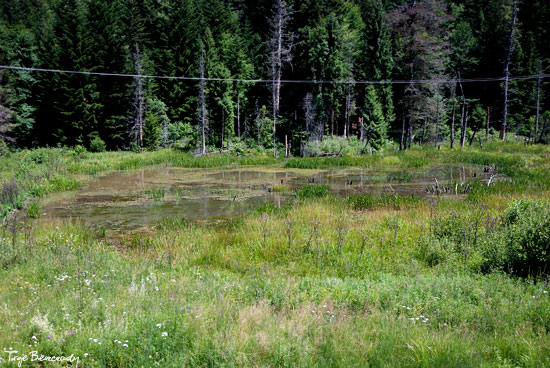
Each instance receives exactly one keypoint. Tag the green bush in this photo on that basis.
(523, 246)
(79, 150)
(333, 145)
(97, 145)
(433, 250)
(33, 209)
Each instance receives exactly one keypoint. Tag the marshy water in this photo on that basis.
(131, 200)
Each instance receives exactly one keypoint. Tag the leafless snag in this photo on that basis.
(509, 51)
(202, 102)
(281, 44)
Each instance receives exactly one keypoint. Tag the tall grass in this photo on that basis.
(366, 281)
(194, 295)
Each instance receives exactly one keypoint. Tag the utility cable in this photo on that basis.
(297, 81)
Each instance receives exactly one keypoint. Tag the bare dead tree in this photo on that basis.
(139, 98)
(538, 102)
(401, 147)
(223, 126)
(464, 127)
(350, 106)
(463, 114)
(437, 116)
(423, 132)
(281, 43)
(410, 136)
(509, 51)
(259, 122)
(202, 102)
(6, 115)
(453, 94)
(313, 128)
(238, 114)
(165, 133)
(425, 48)
(487, 124)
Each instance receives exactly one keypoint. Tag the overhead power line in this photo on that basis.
(299, 81)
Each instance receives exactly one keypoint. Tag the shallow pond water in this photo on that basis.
(130, 200)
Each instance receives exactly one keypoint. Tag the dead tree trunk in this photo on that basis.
(487, 125)
(238, 115)
(223, 126)
(464, 128)
(507, 73)
(453, 123)
(472, 138)
(538, 103)
(164, 133)
(362, 131)
(437, 124)
(410, 136)
(331, 122)
(202, 98)
(463, 115)
(401, 147)
(281, 44)
(349, 109)
(423, 132)
(139, 97)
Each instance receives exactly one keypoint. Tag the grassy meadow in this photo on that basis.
(325, 281)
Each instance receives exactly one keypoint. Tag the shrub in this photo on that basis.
(333, 146)
(97, 145)
(237, 147)
(434, 251)
(33, 209)
(525, 240)
(79, 150)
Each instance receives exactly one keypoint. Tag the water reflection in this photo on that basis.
(129, 200)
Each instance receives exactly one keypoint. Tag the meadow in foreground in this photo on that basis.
(324, 281)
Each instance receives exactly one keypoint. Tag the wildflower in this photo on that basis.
(24, 322)
(85, 355)
(164, 334)
(48, 337)
(125, 345)
(159, 325)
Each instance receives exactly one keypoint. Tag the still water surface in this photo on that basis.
(130, 200)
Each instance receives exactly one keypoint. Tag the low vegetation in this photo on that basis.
(371, 280)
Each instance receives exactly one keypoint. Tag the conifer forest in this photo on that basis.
(210, 73)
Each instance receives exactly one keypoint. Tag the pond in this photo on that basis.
(136, 199)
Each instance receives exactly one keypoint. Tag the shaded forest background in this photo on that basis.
(310, 40)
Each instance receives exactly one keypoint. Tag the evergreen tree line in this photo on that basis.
(335, 41)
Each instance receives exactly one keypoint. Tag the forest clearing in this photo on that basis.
(325, 278)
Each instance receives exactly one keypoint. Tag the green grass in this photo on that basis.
(371, 280)
(370, 201)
